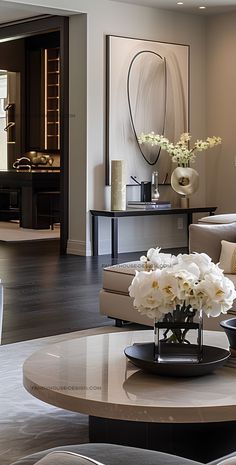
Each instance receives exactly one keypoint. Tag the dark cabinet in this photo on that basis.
(10, 205)
(38, 197)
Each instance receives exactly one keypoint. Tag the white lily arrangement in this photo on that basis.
(184, 284)
(180, 152)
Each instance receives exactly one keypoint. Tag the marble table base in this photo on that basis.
(202, 442)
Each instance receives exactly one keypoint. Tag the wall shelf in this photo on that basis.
(52, 98)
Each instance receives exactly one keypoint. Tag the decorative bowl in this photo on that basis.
(229, 327)
(141, 355)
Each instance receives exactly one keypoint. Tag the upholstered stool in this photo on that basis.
(115, 301)
(225, 218)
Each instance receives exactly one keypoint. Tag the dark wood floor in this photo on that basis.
(47, 294)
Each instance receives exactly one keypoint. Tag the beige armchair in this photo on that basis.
(207, 238)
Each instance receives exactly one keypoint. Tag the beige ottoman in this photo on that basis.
(116, 303)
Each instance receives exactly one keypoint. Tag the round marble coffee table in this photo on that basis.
(193, 417)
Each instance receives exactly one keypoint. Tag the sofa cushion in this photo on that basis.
(66, 458)
(228, 257)
(111, 454)
(219, 219)
(226, 460)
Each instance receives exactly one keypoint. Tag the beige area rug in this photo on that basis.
(11, 232)
(28, 425)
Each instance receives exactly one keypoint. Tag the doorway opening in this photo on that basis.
(34, 105)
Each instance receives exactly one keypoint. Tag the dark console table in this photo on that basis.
(115, 215)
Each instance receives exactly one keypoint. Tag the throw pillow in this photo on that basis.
(66, 458)
(228, 257)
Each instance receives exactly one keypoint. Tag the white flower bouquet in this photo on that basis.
(175, 288)
(180, 152)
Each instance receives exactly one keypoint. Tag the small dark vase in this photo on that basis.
(145, 191)
(229, 327)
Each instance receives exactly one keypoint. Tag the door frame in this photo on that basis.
(43, 25)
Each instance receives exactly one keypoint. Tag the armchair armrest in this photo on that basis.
(207, 238)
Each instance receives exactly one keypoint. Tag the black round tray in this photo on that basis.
(141, 355)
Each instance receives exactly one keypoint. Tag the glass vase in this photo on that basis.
(154, 188)
(179, 336)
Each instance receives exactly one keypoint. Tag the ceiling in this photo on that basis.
(189, 6)
(12, 11)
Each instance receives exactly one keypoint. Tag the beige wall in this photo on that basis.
(221, 110)
(78, 133)
(153, 24)
(87, 157)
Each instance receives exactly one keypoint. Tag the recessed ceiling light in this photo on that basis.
(202, 7)
(180, 3)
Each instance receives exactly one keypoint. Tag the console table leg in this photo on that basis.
(189, 221)
(114, 237)
(95, 235)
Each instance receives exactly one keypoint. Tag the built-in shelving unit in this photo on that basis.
(52, 98)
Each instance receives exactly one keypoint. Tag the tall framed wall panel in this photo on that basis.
(147, 90)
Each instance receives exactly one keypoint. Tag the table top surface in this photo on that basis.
(151, 211)
(92, 375)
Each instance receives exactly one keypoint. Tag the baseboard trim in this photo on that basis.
(104, 246)
(78, 248)
(81, 248)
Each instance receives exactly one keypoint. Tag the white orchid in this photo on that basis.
(158, 259)
(217, 294)
(188, 281)
(155, 259)
(201, 262)
(180, 152)
(146, 293)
